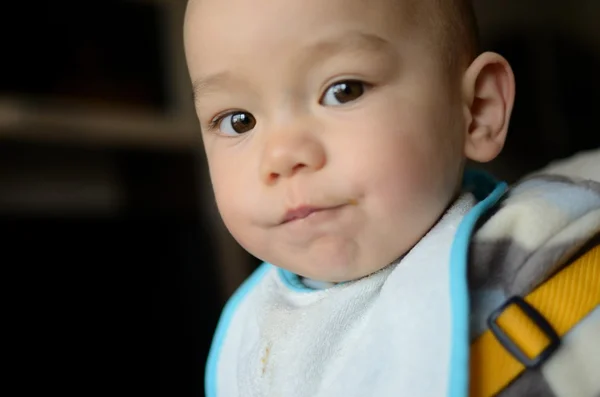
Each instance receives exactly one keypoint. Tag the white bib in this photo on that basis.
(402, 331)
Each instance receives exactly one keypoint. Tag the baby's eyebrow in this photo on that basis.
(213, 82)
(349, 41)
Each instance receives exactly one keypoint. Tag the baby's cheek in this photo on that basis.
(239, 226)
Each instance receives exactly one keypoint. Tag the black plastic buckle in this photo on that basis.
(537, 318)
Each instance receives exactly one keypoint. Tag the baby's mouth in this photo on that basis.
(304, 211)
(301, 213)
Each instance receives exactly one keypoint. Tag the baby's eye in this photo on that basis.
(236, 123)
(343, 92)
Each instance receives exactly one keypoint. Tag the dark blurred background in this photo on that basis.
(115, 262)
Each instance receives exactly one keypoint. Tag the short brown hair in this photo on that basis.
(455, 28)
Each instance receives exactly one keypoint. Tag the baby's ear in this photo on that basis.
(488, 96)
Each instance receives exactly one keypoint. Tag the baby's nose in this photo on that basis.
(287, 155)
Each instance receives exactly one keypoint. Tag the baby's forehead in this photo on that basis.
(242, 16)
(426, 14)
(443, 26)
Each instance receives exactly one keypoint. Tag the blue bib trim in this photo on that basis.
(292, 281)
(488, 192)
(210, 376)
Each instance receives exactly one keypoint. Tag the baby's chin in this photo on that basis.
(333, 260)
(334, 270)
(342, 276)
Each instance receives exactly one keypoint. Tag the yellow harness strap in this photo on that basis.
(524, 332)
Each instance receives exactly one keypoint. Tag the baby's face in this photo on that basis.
(333, 136)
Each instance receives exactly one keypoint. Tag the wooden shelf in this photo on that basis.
(24, 117)
(23, 121)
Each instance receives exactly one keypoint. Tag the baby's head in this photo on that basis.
(336, 131)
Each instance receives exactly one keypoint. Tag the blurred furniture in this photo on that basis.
(109, 223)
(554, 49)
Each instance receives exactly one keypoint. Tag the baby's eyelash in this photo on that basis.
(215, 121)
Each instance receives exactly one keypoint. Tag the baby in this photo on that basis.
(336, 133)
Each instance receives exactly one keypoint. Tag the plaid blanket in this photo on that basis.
(534, 231)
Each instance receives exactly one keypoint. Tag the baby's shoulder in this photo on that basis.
(537, 246)
(540, 223)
